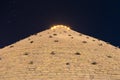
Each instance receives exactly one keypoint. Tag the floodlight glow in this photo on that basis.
(60, 26)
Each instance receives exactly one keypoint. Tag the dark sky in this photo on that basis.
(97, 18)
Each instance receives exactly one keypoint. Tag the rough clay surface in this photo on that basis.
(60, 54)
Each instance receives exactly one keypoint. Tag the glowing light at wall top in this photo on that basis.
(60, 27)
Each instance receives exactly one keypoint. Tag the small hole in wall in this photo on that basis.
(72, 37)
(55, 34)
(87, 37)
(50, 37)
(0, 58)
(26, 53)
(11, 46)
(80, 34)
(56, 41)
(100, 44)
(109, 56)
(65, 31)
(31, 41)
(84, 41)
(107, 43)
(67, 63)
(77, 53)
(94, 63)
(31, 62)
(53, 53)
(117, 47)
(69, 35)
(28, 39)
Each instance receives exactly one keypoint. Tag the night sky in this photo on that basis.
(22, 18)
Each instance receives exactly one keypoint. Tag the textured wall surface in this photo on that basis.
(60, 54)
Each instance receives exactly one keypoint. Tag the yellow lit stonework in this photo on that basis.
(60, 26)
